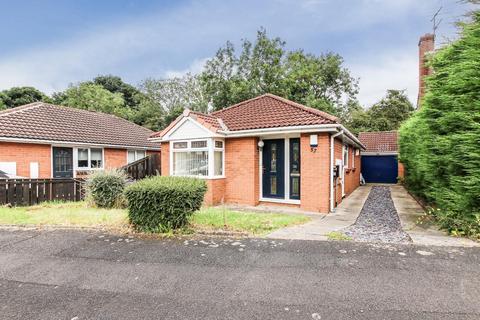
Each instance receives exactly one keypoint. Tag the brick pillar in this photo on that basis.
(165, 156)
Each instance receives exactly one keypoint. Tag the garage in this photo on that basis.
(380, 159)
(380, 169)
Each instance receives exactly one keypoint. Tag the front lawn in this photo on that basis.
(252, 222)
(78, 214)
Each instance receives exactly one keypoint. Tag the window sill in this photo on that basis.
(202, 177)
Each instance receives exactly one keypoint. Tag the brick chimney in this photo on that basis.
(425, 45)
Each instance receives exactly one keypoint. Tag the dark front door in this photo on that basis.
(273, 161)
(62, 162)
(295, 168)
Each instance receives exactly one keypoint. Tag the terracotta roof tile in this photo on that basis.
(270, 111)
(42, 121)
(382, 141)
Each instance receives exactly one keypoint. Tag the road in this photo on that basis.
(88, 275)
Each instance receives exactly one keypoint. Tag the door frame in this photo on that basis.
(52, 154)
(286, 198)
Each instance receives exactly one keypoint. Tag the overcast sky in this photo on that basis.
(50, 44)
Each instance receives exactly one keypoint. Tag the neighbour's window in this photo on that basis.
(83, 158)
(90, 158)
(345, 156)
(192, 158)
(134, 155)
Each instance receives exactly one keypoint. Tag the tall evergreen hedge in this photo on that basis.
(440, 144)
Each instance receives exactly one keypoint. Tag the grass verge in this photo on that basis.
(78, 214)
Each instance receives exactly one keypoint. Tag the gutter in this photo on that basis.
(332, 150)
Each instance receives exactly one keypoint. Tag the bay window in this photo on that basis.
(89, 158)
(200, 158)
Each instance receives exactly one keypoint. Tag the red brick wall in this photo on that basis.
(165, 156)
(352, 177)
(215, 192)
(241, 171)
(315, 174)
(24, 153)
(114, 158)
(401, 170)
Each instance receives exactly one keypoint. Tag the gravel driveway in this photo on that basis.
(378, 221)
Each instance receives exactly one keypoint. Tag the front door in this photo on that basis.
(62, 162)
(273, 177)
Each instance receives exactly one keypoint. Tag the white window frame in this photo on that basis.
(353, 158)
(210, 148)
(136, 154)
(345, 153)
(89, 167)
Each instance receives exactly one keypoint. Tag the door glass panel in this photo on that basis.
(273, 185)
(295, 168)
(273, 161)
(295, 187)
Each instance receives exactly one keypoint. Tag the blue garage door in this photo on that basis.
(380, 169)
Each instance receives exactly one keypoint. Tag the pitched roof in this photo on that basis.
(381, 141)
(208, 121)
(271, 111)
(42, 121)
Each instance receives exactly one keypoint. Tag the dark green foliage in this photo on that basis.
(386, 115)
(440, 145)
(105, 188)
(18, 96)
(115, 84)
(266, 67)
(161, 204)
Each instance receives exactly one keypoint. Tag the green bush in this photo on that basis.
(105, 188)
(161, 204)
(440, 144)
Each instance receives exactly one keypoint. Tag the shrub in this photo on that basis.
(439, 146)
(160, 204)
(105, 188)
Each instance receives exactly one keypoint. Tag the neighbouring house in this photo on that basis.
(380, 159)
(41, 140)
(264, 150)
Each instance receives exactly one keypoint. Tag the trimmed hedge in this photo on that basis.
(161, 204)
(440, 144)
(105, 188)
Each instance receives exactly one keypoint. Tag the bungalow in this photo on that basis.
(41, 140)
(264, 150)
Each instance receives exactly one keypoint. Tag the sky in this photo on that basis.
(51, 44)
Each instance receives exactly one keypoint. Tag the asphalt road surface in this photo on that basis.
(86, 275)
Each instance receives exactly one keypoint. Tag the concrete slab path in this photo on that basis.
(409, 211)
(322, 225)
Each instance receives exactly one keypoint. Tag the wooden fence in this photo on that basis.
(148, 166)
(24, 192)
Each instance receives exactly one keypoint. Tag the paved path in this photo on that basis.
(347, 212)
(409, 211)
(319, 228)
(81, 275)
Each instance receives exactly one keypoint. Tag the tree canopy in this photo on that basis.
(439, 145)
(18, 96)
(265, 66)
(385, 115)
(93, 97)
